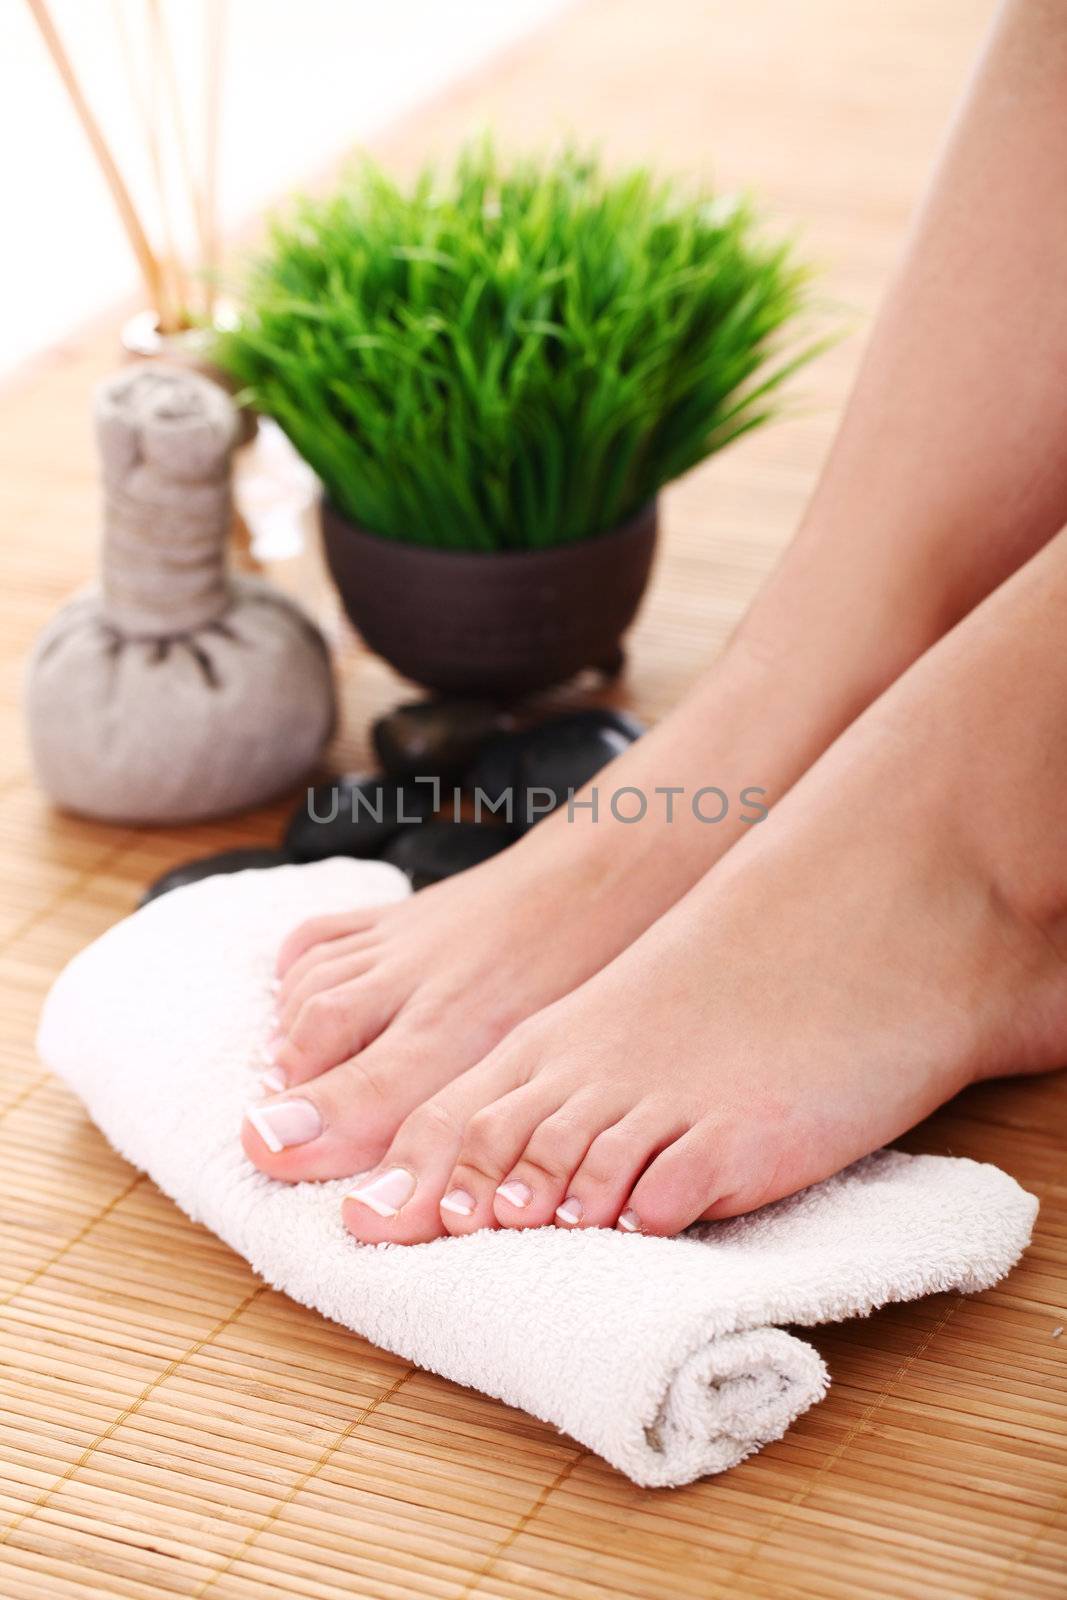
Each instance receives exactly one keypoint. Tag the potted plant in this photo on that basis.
(493, 373)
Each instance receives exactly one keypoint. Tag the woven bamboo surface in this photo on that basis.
(170, 1426)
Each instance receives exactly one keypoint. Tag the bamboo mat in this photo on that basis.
(169, 1426)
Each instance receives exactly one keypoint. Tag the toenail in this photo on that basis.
(386, 1193)
(459, 1201)
(630, 1222)
(272, 1046)
(273, 1081)
(515, 1193)
(571, 1210)
(285, 1122)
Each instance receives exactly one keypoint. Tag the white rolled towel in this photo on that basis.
(662, 1355)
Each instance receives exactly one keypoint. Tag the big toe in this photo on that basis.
(411, 1197)
(337, 1124)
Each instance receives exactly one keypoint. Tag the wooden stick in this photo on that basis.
(144, 105)
(146, 260)
(216, 34)
(164, 60)
(158, 86)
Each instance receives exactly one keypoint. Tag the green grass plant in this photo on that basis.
(515, 354)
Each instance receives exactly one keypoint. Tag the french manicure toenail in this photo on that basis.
(273, 1080)
(285, 1122)
(630, 1222)
(515, 1193)
(571, 1210)
(386, 1193)
(459, 1201)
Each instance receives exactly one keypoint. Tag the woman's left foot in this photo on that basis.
(783, 1020)
(889, 936)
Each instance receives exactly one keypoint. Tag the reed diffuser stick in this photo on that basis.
(131, 222)
(163, 60)
(146, 104)
(215, 38)
(157, 91)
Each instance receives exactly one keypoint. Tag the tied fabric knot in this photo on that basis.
(166, 438)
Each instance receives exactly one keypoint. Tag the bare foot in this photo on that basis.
(380, 1009)
(890, 936)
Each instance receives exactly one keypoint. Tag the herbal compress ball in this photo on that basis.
(175, 691)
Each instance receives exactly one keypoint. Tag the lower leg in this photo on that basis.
(947, 474)
(897, 930)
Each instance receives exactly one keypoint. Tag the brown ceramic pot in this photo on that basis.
(492, 624)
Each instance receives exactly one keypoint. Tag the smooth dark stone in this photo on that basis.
(556, 756)
(562, 755)
(495, 769)
(354, 816)
(211, 866)
(435, 738)
(436, 850)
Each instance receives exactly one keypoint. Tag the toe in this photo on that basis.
(320, 930)
(332, 1025)
(317, 968)
(347, 1115)
(486, 1173)
(686, 1180)
(539, 1177)
(401, 1199)
(339, 1123)
(601, 1186)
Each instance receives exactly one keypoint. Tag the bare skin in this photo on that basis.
(899, 933)
(937, 489)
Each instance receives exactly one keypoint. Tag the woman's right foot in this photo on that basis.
(378, 1009)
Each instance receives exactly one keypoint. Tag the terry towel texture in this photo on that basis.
(663, 1355)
